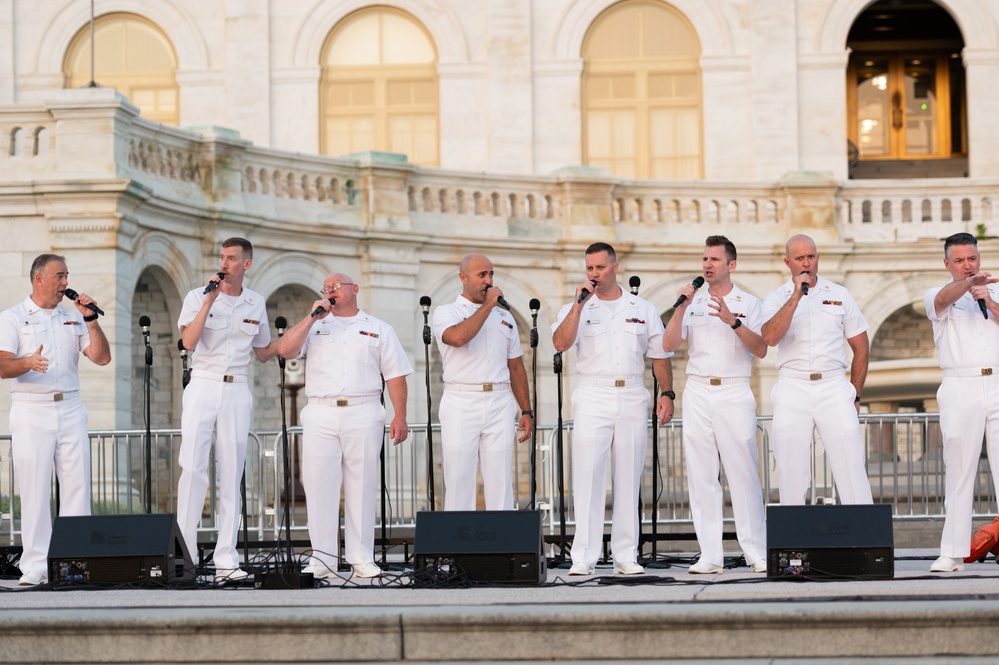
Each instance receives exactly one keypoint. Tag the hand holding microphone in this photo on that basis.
(321, 306)
(86, 302)
(500, 300)
(214, 284)
(585, 292)
(696, 284)
(804, 284)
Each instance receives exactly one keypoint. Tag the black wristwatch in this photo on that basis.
(738, 322)
(668, 393)
(92, 317)
(527, 412)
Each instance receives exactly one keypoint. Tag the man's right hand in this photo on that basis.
(213, 295)
(585, 286)
(37, 362)
(802, 278)
(493, 294)
(687, 293)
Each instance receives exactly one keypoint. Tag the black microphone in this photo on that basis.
(982, 306)
(501, 301)
(73, 295)
(185, 377)
(804, 285)
(144, 324)
(634, 283)
(319, 310)
(535, 305)
(214, 285)
(425, 305)
(281, 324)
(697, 283)
(584, 293)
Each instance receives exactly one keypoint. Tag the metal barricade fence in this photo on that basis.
(904, 453)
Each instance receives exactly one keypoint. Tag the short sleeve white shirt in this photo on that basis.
(964, 338)
(484, 358)
(822, 320)
(61, 332)
(235, 325)
(615, 336)
(347, 356)
(714, 348)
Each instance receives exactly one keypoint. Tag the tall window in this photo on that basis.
(379, 87)
(642, 93)
(132, 56)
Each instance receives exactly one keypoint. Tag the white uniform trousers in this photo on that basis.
(607, 422)
(478, 428)
(47, 435)
(800, 406)
(969, 410)
(720, 421)
(341, 446)
(225, 409)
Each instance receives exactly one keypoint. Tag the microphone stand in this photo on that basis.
(561, 557)
(427, 337)
(653, 555)
(534, 407)
(385, 492)
(147, 379)
(290, 552)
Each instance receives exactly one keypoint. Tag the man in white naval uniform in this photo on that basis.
(812, 391)
(40, 346)
(348, 352)
(719, 410)
(484, 383)
(221, 327)
(966, 333)
(612, 333)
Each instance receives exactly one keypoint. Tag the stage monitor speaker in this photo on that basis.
(503, 546)
(118, 549)
(830, 541)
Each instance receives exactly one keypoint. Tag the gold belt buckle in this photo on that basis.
(487, 387)
(715, 381)
(227, 378)
(986, 371)
(619, 383)
(341, 402)
(58, 397)
(815, 376)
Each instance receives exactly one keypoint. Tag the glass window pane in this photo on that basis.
(355, 42)
(873, 109)
(921, 127)
(404, 42)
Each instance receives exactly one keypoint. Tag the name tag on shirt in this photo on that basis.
(322, 331)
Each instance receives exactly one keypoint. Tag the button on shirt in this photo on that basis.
(61, 332)
(714, 348)
(964, 338)
(614, 336)
(484, 358)
(349, 355)
(235, 324)
(823, 318)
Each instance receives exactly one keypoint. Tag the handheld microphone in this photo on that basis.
(144, 324)
(697, 283)
(584, 293)
(214, 285)
(804, 285)
(535, 305)
(634, 283)
(319, 310)
(982, 306)
(73, 295)
(185, 377)
(501, 301)
(425, 306)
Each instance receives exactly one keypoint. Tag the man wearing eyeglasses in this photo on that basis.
(221, 323)
(348, 354)
(484, 382)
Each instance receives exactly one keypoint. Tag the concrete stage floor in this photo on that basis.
(667, 615)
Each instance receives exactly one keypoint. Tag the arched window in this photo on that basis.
(379, 87)
(642, 93)
(134, 57)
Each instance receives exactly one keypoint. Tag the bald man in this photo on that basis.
(807, 318)
(485, 384)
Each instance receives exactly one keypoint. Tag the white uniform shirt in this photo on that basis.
(822, 320)
(349, 355)
(614, 336)
(484, 358)
(235, 324)
(964, 338)
(714, 348)
(61, 332)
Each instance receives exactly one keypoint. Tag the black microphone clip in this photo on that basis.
(186, 375)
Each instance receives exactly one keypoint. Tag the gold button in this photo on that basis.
(487, 387)
(715, 381)
(815, 376)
